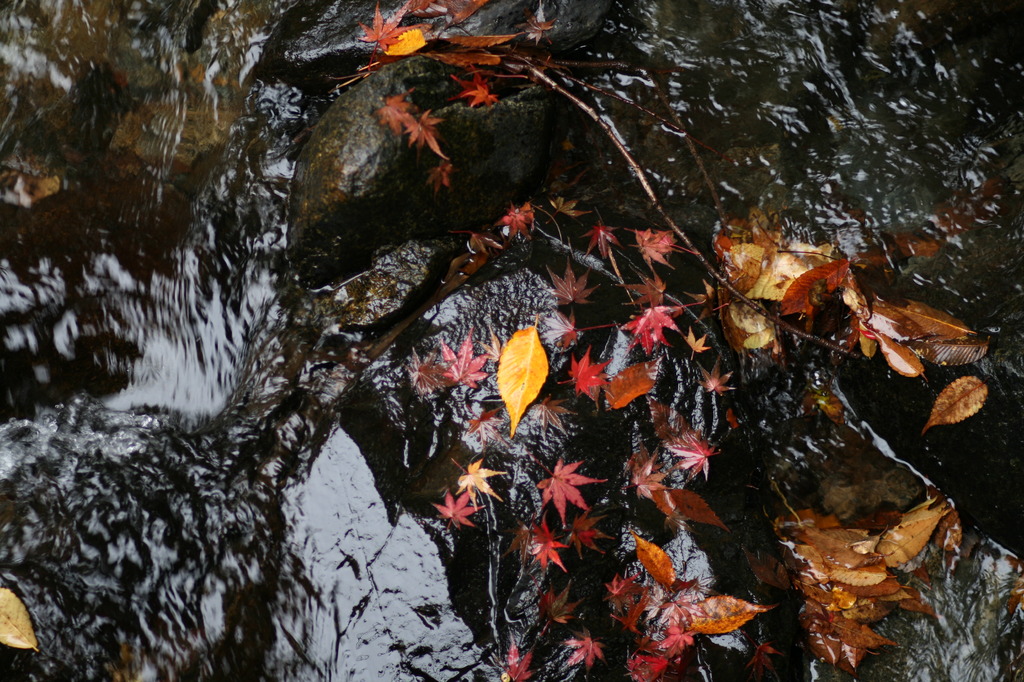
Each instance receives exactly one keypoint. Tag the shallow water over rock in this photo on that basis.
(209, 471)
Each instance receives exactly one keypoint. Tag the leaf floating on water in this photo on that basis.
(657, 563)
(958, 401)
(905, 541)
(522, 370)
(15, 623)
(901, 359)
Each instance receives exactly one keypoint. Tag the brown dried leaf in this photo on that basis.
(686, 503)
(915, 321)
(631, 383)
(480, 41)
(725, 614)
(958, 401)
(961, 351)
(901, 359)
(902, 543)
(465, 60)
(768, 570)
(15, 623)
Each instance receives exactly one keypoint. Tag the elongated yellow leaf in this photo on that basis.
(656, 561)
(15, 624)
(522, 370)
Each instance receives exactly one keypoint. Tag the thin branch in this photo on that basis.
(641, 175)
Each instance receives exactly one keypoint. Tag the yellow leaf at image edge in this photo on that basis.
(15, 623)
(522, 370)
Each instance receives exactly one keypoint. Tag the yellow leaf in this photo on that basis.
(475, 479)
(407, 43)
(15, 623)
(725, 614)
(654, 559)
(522, 370)
(958, 401)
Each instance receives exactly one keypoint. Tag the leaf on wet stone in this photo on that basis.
(648, 328)
(725, 614)
(456, 510)
(15, 623)
(901, 359)
(798, 296)
(475, 479)
(656, 561)
(463, 367)
(696, 345)
(570, 289)
(686, 503)
(631, 383)
(588, 376)
(522, 370)
(961, 399)
(561, 487)
(587, 649)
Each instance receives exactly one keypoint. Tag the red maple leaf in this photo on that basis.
(549, 413)
(644, 668)
(655, 246)
(396, 112)
(518, 219)
(760, 662)
(464, 368)
(561, 487)
(632, 616)
(456, 509)
(441, 175)
(676, 641)
(648, 328)
(651, 291)
(426, 375)
(517, 667)
(693, 451)
(535, 30)
(477, 91)
(587, 648)
(645, 473)
(423, 131)
(560, 330)
(486, 427)
(587, 376)
(621, 591)
(387, 33)
(601, 236)
(582, 533)
(570, 289)
(557, 608)
(714, 381)
(544, 546)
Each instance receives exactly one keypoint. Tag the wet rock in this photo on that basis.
(358, 186)
(973, 460)
(316, 43)
(397, 279)
(417, 447)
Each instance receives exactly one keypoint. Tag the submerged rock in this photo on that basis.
(359, 186)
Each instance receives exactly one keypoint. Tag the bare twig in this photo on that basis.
(540, 76)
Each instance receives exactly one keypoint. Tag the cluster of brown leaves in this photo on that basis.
(845, 576)
(808, 281)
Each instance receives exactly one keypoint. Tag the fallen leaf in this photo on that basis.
(15, 623)
(522, 370)
(475, 479)
(587, 649)
(480, 41)
(561, 487)
(657, 563)
(905, 541)
(463, 367)
(588, 376)
(958, 401)
(648, 328)
(406, 43)
(456, 510)
(679, 501)
(901, 359)
(631, 383)
(725, 614)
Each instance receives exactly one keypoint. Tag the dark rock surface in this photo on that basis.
(358, 186)
(317, 42)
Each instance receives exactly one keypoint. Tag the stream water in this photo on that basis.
(171, 510)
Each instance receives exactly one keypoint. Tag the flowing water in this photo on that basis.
(170, 509)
